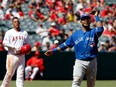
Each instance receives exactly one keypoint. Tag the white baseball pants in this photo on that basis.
(33, 71)
(84, 67)
(14, 62)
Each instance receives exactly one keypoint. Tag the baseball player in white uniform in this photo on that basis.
(14, 39)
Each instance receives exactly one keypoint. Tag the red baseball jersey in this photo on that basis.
(34, 61)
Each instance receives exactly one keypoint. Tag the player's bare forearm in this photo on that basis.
(50, 52)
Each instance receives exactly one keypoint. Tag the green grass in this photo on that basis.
(63, 83)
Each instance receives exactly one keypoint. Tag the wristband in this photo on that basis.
(63, 46)
(97, 18)
(55, 50)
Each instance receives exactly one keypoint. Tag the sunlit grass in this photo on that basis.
(63, 83)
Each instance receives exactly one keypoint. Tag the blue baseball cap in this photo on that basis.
(85, 16)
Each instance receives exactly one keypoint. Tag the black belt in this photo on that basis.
(88, 59)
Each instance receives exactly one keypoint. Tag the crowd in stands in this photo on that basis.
(59, 13)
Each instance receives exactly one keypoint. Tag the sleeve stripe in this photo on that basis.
(65, 45)
(96, 32)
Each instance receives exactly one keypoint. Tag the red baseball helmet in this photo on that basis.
(25, 49)
(37, 43)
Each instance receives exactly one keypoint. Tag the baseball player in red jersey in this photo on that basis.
(33, 66)
(14, 39)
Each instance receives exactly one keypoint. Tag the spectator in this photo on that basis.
(114, 22)
(4, 3)
(61, 16)
(9, 15)
(32, 3)
(102, 47)
(37, 46)
(1, 13)
(42, 32)
(53, 16)
(70, 5)
(1, 46)
(110, 16)
(105, 11)
(113, 40)
(56, 43)
(38, 16)
(46, 46)
(20, 12)
(2, 33)
(70, 16)
(34, 65)
(65, 37)
(112, 49)
(70, 32)
(114, 10)
(47, 42)
(79, 7)
(107, 44)
(15, 12)
(31, 11)
(53, 30)
(76, 17)
(1, 36)
(62, 33)
(50, 2)
(113, 44)
(87, 10)
(34, 16)
(110, 30)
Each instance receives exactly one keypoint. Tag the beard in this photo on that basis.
(86, 27)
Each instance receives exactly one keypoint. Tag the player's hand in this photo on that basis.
(17, 50)
(48, 53)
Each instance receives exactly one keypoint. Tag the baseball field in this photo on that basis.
(63, 83)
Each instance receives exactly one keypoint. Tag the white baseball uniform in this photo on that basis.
(14, 61)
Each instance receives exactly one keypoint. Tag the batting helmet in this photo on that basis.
(37, 43)
(25, 49)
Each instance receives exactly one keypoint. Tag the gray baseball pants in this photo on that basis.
(81, 68)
